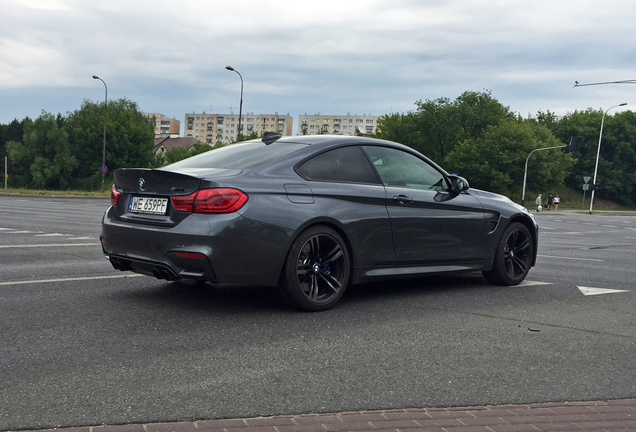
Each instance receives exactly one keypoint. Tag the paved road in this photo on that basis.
(82, 345)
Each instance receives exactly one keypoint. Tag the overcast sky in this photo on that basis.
(329, 56)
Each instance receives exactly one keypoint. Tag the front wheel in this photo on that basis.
(316, 271)
(513, 257)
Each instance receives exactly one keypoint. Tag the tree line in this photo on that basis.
(60, 152)
(474, 135)
(488, 144)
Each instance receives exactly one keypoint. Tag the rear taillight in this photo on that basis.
(114, 196)
(218, 200)
(184, 203)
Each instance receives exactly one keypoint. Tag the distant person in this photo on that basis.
(538, 203)
(556, 202)
(550, 199)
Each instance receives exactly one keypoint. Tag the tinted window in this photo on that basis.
(238, 156)
(399, 168)
(347, 164)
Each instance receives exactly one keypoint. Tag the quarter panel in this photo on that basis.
(358, 210)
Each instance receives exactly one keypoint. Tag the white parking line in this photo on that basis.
(67, 279)
(568, 258)
(48, 245)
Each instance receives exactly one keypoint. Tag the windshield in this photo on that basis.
(238, 156)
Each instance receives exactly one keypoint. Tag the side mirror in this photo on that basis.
(458, 184)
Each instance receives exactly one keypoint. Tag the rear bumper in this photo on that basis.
(216, 248)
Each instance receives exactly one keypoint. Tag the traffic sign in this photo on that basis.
(104, 169)
(586, 179)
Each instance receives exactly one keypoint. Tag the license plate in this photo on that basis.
(156, 206)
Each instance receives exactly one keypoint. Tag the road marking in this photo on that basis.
(568, 258)
(588, 291)
(48, 245)
(571, 233)
(579, 244)
(50, 235)
(67, 279)
(610, 226)
(533, 283)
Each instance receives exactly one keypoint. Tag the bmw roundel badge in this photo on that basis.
(142, 183)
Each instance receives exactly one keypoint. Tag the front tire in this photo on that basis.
(513, 257)
(317, 268)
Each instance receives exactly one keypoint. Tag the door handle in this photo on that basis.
(403, 199)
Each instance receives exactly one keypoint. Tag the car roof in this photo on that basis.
(327, 140)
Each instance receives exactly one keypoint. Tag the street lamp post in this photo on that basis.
(105, 117)
(238, 136)
(598, 152)
(525, 171)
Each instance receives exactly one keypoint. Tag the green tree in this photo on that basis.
(616, 173)
(44, 158)
(179, 153)
(399, 128)
(252, 135)
(437, 126)
(495, 160)
(129, 138)
(10, 132)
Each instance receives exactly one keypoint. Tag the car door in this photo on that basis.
(346, 189)
(430, 224)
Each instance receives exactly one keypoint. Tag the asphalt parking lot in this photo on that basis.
(85, 345)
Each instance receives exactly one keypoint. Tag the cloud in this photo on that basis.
(332, 56)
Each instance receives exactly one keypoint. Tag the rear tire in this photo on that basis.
(317, 268)
(513, 257)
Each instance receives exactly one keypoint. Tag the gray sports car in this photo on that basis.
(311, 215)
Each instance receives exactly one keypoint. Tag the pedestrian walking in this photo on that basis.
(538, 203)
(556, 202)
(550, 199)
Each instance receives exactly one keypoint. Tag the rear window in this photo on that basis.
(238, 156)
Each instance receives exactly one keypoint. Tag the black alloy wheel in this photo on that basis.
(513, 257)
(317, 270)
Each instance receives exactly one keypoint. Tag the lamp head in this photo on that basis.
(623, 104)
(230, 68)
(95, 77)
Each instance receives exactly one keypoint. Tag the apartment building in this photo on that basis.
(164, 125)
(213, 128)
(337, 124)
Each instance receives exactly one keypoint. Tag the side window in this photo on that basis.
(402, 169)
(346, 164)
